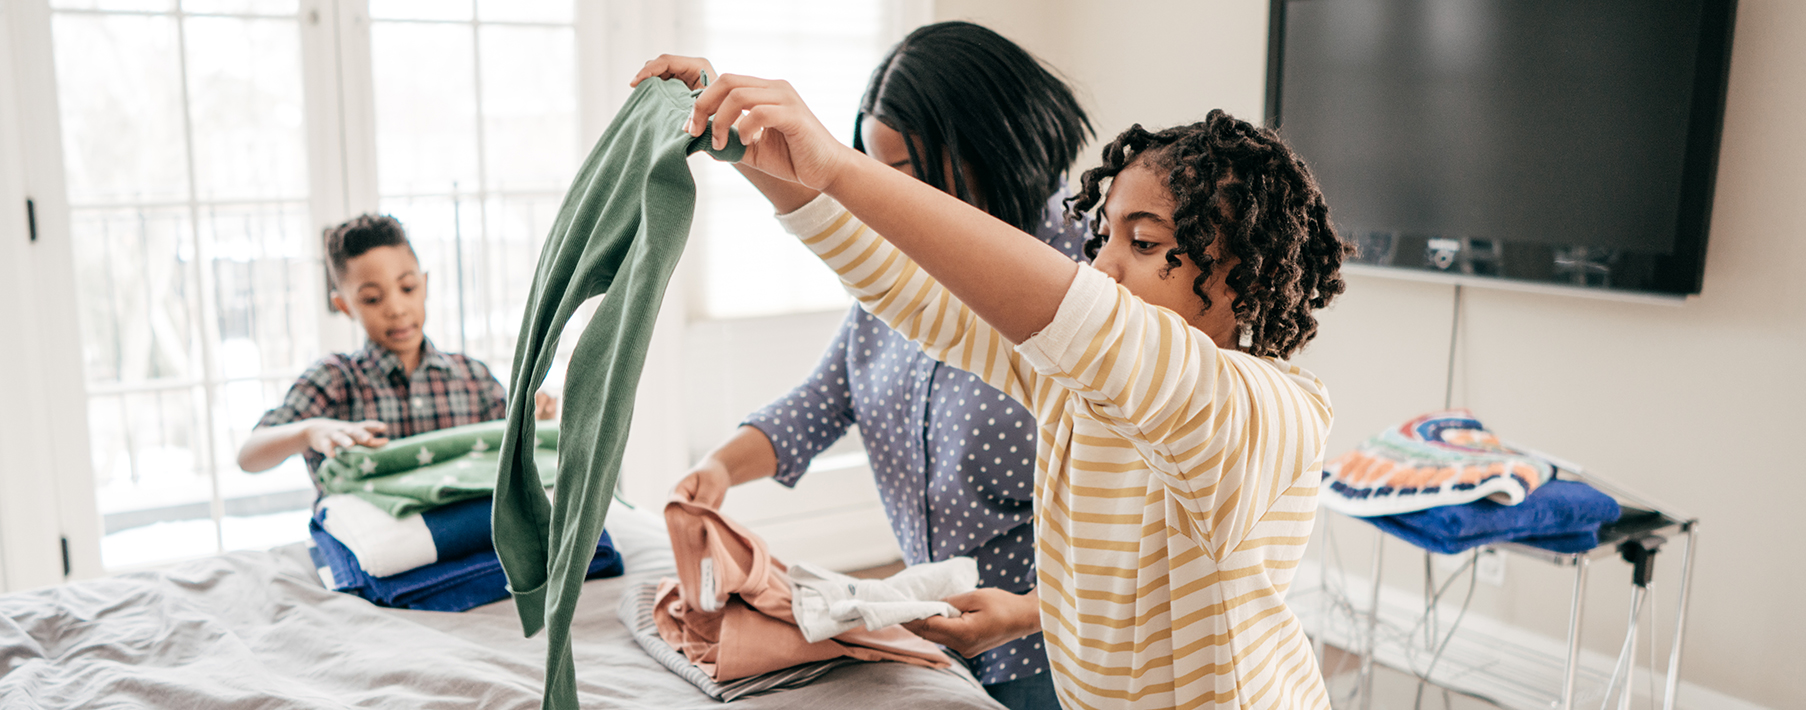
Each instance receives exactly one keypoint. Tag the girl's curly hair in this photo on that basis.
(1234, 181)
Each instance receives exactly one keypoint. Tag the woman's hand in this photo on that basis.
(328, 435)
(690, 70)
(988, 618)
(783, 137)
(706, 485)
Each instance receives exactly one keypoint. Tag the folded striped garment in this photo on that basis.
(1441, 458)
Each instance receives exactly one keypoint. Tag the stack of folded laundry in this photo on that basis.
(408, 525)
(738, 623)
(1446, 484)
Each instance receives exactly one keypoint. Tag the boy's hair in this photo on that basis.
(1239, 182)
(358, 235)
(986, 103)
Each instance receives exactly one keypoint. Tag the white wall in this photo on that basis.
(1699, 405)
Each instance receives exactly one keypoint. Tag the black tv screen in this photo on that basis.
(1570, 142)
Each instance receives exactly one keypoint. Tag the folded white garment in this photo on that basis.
(383, 544)
(827, 604)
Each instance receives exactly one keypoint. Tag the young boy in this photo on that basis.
(1179, 458)
(398, 384)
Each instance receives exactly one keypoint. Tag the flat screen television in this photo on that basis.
(1556, 142)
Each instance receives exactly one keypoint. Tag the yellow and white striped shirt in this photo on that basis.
(1175, 484)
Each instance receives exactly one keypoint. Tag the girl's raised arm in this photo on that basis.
(1007, 277)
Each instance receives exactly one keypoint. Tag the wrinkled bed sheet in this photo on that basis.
(257, 630)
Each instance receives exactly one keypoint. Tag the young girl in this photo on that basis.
(1178, 459)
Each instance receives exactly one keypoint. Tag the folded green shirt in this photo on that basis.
(421, 472)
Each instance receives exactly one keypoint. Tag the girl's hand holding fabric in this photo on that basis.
(783, 137)
(690, 70)
(988, 618)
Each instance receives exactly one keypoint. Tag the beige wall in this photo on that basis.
(1697, 405)
(1154, 62)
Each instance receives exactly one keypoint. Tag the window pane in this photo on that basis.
(155, 250)
(752, 266)
(420, 9)
(530, 107)
(151, 483)
(245, 88)
(120, 92)
(132, 272)
(438, 227)
(268, 288)
(426, 107)
(128, 5)
(241, 7)
(827, 49)
(525, 10)
(518, 225)
(261, 510)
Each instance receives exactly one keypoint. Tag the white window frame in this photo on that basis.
(49, 526)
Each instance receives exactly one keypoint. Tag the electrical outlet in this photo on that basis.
(1491, 566)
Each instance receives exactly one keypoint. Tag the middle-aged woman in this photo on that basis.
(963, 109)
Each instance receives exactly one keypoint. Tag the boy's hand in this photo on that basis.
(783, 137)
(545, 406)
(328, 435)
(988, 618)
(670, 66)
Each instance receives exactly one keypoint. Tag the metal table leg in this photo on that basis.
(1680, 618)
(1574, 616)
(1373, 620)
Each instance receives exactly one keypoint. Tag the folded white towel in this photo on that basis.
(827, 604)
(383, 544)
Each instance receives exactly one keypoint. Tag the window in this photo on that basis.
(198, 287)
(752, 267)
(208, 142)
(476, 141)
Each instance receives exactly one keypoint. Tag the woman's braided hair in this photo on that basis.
(1239, 182)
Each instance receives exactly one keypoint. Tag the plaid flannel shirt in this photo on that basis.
(446, 390)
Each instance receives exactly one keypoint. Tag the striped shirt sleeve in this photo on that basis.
(1229, 432)
(892, 287)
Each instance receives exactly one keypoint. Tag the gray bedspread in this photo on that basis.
(257, 630)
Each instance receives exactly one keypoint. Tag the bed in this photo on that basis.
(259, 630)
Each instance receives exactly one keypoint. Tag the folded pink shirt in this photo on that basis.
(728, 611)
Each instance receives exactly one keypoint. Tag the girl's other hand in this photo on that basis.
(328, 435)
(988, 618)
(545, 406)
(690, 70)
(783, 137)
